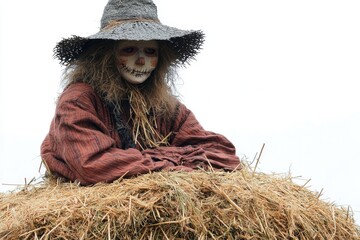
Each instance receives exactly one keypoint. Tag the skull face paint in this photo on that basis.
(137, 59)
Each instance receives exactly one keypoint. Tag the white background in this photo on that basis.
(284, 73)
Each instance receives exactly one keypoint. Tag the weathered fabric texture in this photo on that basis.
(83, 143)
(122, 127)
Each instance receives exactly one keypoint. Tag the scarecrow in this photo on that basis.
(117, 115)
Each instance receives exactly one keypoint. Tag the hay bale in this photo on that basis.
(177, 205)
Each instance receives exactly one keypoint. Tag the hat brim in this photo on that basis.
(186, 43)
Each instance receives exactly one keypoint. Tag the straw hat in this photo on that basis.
(132, 20)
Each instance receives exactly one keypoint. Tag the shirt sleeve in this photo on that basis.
(79, 146)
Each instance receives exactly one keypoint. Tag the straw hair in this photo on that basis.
(155, 98)
(175, 205)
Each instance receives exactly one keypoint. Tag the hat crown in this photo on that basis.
(128, 10)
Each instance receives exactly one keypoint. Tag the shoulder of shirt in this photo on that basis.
(182, 107)
(77, 91)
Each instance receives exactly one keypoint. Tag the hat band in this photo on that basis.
(114, 23)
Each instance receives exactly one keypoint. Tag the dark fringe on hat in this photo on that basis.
(69, 49)
(186, 47)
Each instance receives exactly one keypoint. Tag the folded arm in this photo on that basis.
(192, 146)
(79, 146)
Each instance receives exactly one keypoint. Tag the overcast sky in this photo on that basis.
(284, 73)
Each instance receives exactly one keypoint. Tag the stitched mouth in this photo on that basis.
(136, 73)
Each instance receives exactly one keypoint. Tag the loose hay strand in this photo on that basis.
(258, 159)
(169, 205)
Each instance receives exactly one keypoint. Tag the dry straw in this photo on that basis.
(175, 205)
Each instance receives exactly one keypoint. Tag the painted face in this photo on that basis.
(137, 59)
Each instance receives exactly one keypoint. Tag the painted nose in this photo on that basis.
(140, 61)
